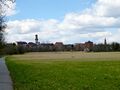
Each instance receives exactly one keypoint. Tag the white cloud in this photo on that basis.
(79, 21)
(108, 8)
(95, 23)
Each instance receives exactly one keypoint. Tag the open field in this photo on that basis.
(69, 56)
(65, 71)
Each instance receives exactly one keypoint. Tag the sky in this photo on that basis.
(48, 9)
(67, 21)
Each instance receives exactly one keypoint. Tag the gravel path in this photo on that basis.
(5, 79)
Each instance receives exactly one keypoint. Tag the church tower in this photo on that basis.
(36, 39)
(105, 42)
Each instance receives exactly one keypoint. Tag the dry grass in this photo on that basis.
(69, 56)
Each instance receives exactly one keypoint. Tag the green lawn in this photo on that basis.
(64, 74)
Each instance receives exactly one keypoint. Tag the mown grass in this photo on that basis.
(64, 74)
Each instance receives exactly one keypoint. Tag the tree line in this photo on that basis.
(113, 47)
(19, 49)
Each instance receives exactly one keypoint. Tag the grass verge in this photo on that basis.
(64, 75)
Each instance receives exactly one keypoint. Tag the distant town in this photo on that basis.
(89, 46)
(58, 46)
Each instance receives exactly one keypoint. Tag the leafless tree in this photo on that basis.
(3, 4)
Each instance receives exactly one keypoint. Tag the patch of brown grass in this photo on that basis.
(69, 56)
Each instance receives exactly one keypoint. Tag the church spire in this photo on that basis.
(105, 41)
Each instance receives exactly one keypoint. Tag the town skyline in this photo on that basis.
(37, 41)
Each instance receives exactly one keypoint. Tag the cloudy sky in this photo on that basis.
(67, 21)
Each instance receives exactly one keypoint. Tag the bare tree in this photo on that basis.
(3, 9)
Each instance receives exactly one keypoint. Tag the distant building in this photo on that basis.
(36, 39)
(89, 45)
(105, 42)
(59, 46)
(21, 43)
(46, 47)
(79, 46)
(31, 44)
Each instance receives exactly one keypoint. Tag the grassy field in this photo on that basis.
(65, 71)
